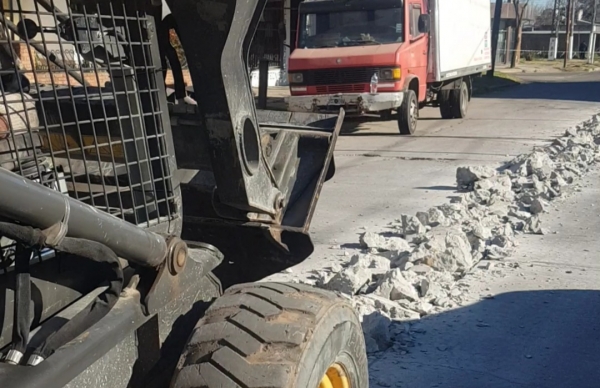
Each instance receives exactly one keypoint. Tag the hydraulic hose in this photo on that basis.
(30, 203)
(22, 313)
(93, 312)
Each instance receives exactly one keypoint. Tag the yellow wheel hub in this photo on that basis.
(335, 377)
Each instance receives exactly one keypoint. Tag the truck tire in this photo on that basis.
(275, 335)
(408, 113)
(445, 104)
(460, 101)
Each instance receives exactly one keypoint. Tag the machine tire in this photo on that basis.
(460, 101)
(408, 113)
(274, 335)
(445, 104)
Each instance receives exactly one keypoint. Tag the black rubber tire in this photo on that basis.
(460, 101)
(273, 335)
(445, 104)
(408, 113)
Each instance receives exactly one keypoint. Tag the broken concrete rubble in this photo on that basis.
(399, 280)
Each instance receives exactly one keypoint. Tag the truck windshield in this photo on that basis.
(351, 28)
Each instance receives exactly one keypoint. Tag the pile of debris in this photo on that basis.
(415, 267)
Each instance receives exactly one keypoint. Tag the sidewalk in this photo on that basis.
(546, 66)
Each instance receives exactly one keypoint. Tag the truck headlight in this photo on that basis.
(295, 78)
(390, 74)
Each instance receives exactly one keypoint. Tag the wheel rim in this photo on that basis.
(335, 377)
(414, 112)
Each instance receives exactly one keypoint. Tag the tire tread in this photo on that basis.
(230, 346)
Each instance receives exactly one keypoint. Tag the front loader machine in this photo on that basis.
(120, 224)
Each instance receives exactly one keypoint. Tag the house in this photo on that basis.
(508, 27)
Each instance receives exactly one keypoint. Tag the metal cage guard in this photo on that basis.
(84, 123)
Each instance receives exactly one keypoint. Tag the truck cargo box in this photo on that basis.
(460, 38)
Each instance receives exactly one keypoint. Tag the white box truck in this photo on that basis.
(389, 56)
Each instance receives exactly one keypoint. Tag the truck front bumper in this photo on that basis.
(358, 103)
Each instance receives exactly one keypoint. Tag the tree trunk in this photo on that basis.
(519, 12)
(513, 58)
(517, 56)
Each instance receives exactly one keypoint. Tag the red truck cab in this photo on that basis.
(366, 56)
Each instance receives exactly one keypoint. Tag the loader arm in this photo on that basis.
(227, 113)
(264, 170)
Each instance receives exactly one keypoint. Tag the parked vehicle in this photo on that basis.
(381, 56)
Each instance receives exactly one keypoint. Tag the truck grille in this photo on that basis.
(342, 76)
(332, 89)
(83, 108)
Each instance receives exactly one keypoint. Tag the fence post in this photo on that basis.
(263, 83)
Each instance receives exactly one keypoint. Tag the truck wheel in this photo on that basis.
(445, 105)
(460, 101)
(275, 335)
(408, 114)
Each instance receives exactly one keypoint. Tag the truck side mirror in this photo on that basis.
(424, 23)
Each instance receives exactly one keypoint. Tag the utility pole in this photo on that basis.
(553, 54)
(592, 42)
(557, 25)
(569, 31)
(495, 33)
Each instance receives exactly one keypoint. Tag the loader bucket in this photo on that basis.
(312, 138)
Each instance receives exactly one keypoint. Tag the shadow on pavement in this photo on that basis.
(533, 339)
(565, 91)
(437, 188)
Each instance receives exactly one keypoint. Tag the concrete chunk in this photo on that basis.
(467, 176)
(349, 280)
(395, 287)
(423, 218)
(411, 225)
(376, 327)
(436, 217)
(536, 207)
(534, 226)
(381, 243)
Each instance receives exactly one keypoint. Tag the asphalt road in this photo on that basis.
(540, 330)
(381, 174)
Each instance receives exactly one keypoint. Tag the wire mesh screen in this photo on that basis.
(81, 110)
